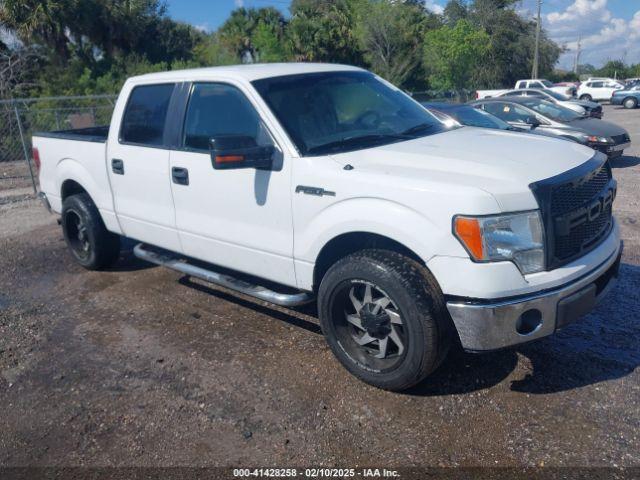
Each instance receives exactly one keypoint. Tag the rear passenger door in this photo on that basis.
(238, 218)
(138, 167)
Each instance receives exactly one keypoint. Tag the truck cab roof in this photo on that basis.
(248, 72)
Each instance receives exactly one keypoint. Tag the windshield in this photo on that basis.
(474, 117)
(557, 96)
(333, 112)
(546, 83)
(552, 111)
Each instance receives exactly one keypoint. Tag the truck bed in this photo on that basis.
(91, 134)
(78, 155)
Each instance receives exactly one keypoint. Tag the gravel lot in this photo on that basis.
(137, 366)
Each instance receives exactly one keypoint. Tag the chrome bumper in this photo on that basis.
(45, 201)
(490, 325)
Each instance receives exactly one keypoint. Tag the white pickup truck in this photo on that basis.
(540, 84)
(295, 183)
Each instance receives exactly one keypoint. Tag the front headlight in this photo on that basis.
(516, 237)
(596, 139)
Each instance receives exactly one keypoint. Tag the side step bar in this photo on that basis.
(180, 264)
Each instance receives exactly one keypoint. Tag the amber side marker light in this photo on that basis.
(229, 158)
(468, 232)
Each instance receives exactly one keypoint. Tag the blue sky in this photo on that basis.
(610, 29)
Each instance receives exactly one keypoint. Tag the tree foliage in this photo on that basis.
(322, 31)
(390, 37)
(92, 46)
(452, 53)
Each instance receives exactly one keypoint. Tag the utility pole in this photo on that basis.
(536, 56)
(576, 65)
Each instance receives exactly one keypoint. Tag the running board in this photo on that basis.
(180, 264)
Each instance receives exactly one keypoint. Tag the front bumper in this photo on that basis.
(490, 325)
(611, 151)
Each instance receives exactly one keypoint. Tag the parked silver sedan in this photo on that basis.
(591, 109)
(535, 114)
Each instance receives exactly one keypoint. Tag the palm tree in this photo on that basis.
(39, 21)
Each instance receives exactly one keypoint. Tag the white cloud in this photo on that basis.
(239, 3)
(204, 27)
(604, 36)
(433, 6)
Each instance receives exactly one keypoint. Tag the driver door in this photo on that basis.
(236, 218)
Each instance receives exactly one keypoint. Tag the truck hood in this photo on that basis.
(502, 163)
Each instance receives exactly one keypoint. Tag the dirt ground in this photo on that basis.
(137, 366)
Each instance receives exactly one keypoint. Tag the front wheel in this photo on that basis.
(384, 318)
(630, 103)
(91, 244)
(586, 97)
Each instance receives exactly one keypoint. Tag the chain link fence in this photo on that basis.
(20, 118)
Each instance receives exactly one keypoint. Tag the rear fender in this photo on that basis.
(71, 169)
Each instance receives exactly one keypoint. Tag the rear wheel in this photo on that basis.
(384, 318)
(630, 103)
(586, 97)
(91, 244)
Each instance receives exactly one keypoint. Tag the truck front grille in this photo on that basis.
(568, 196)
(583, 236)
(577, 208)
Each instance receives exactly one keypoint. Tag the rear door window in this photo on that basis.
(507, 112)
(145, 115)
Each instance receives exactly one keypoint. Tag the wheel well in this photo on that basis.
(71, 187)
(348, 243)
(630, 98)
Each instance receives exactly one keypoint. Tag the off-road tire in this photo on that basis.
(412, 288)
(103, 246)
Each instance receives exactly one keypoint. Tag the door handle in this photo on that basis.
(117, 166)
(180, 175)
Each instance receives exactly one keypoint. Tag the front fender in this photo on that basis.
(369, 215)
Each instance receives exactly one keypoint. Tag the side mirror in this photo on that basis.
(239, 151)
(533, 121)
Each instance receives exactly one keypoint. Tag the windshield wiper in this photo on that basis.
(418, 128)
(355, 141)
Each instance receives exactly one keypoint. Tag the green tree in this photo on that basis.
(246, 25)
(455, 10)
(39, 21)
(323, 31)
(586, 69)
(212, 51)
(390, 36)
(614, 69)
(452, 53)
(511, 48)
(268, 42)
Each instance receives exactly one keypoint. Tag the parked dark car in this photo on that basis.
(628, 98)
(534, 114)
